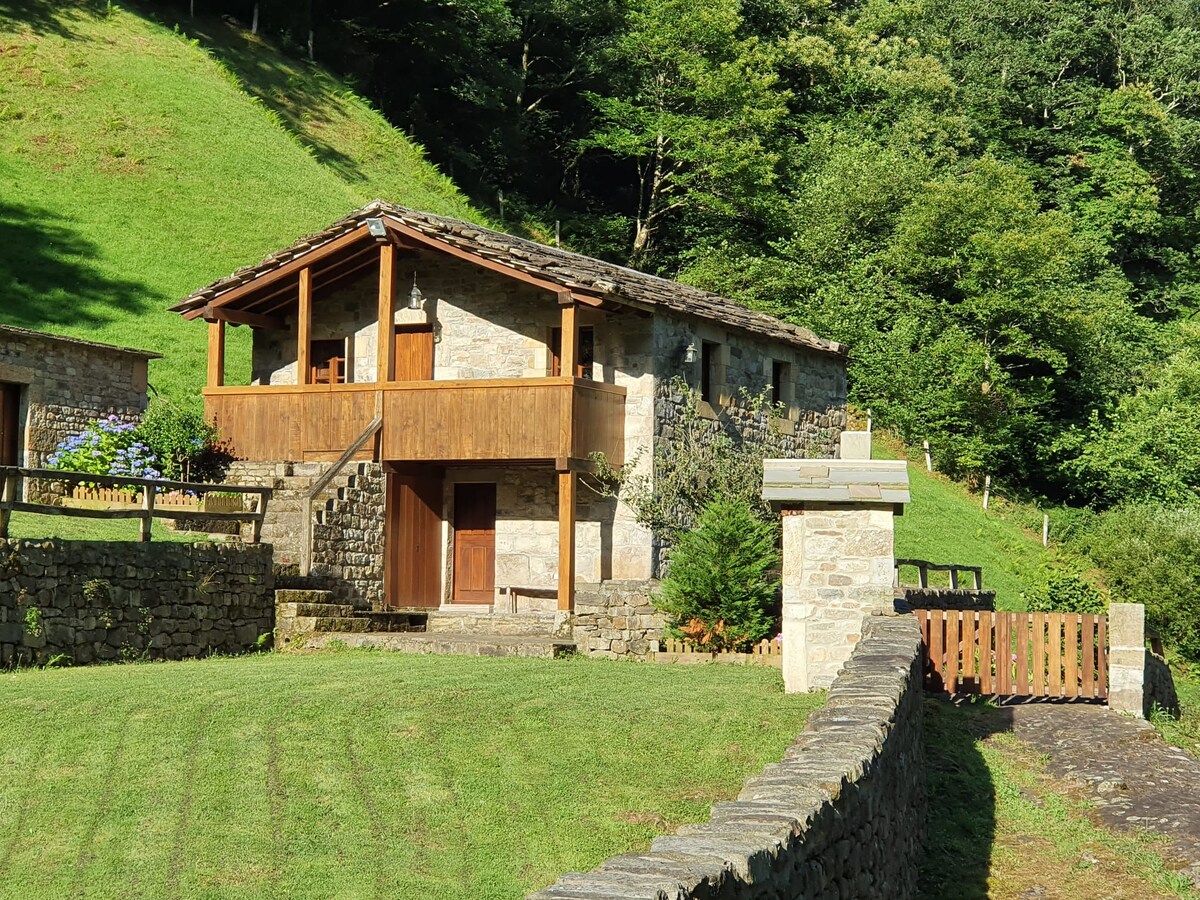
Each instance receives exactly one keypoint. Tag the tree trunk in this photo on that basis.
(254, 21)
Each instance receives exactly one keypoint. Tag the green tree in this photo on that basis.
(693, 110)
(720, 589)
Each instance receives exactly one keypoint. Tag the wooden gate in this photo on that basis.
(1015, 653)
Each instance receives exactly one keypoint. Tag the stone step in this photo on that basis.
(443, 644)
(314, 610)
(303, 595)
(531, 624)
(340, 624)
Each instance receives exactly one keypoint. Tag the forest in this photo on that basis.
(995, 204)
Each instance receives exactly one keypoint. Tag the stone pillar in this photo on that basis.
(838, 556)
(1127, 658)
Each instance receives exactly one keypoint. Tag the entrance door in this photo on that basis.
(413, 539)
(10, 424)
(475, 543)
(414, 353)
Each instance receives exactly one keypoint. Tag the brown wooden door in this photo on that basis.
(413, 539)
(10, 424)
(414, 353)
(474, 543)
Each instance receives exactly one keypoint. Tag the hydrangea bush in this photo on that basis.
(106, 447)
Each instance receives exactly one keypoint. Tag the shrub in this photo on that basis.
(188, 447)
(1066, 592)
(106, 447)
(1151, 555)
(720, 589)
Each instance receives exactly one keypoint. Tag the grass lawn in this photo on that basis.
(359, 774)
(1000, 827)
(34, 526)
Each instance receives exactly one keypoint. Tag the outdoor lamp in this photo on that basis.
(689, 354)
(415, 297)
(377, 228)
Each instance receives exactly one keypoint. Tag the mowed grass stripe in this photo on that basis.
(359, 774)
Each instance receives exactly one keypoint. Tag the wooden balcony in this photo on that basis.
(511, 419)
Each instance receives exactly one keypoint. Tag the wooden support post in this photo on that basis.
(386, 344)
(566, 540)
(216, 353)
(928, 458)
(8, 494)
(953, 578)
(979, 579)
(147, 512)
(304, 329)
(1045, 529)
(568, 354)
(987, 490)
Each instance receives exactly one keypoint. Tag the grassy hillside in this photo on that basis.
(135, 167)
(945, 523)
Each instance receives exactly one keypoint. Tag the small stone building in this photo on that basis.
(52, 386)
(473, 377)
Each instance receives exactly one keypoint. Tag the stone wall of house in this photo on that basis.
(948, 598)
(841, 815)
(94, 601)
(65, 384)
(617, 619)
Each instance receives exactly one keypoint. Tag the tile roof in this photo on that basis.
(95, 345)
(571, 270)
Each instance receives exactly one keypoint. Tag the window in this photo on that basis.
(781, 376)
(328, 361)
(586, 354)
(708, 372)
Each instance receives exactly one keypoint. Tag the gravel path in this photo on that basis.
(1132, 776)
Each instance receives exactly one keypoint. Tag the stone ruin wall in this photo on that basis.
(96, 601)
(841, 815)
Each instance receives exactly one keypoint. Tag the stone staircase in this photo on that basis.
(313, 619)
(291, 483)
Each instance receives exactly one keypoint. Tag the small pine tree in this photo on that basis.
(720, 587)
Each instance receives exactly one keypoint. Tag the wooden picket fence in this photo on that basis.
(1015, 653)
(764, 653)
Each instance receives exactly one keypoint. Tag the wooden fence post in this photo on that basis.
(147, 512)
(928, 458)
(987, 490)
(1045, 530)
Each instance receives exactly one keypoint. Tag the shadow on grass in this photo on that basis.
(962, 799)
(46, 17)
(48, 277)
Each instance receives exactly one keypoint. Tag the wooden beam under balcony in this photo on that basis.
(385, 344)
(216, 353)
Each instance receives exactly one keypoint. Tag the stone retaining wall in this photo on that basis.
(842, 815)
(347, 540)
(616, 619)
(94, 601)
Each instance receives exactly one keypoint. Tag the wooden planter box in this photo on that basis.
(765, 653)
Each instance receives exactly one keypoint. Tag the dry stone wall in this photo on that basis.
(96, 601)
(617, 619)
(842, 815)
(347, 542)
(949, 598)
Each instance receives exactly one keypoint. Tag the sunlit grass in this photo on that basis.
(361, 774)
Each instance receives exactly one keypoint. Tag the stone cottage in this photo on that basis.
(52, 386)
(471, 378)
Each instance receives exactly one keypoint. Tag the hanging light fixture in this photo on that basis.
(689, 354)
(415, 297)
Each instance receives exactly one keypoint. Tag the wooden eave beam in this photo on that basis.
(564, 295)
(304, 261)
(241, 317)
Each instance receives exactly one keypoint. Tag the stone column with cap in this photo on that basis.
(838, 552)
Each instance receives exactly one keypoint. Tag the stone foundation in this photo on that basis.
(842, 815)
(93, 601)
(617, 619)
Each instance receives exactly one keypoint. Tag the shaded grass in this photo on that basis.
(1183, 732)
(134, 169)
(363, 774)
(1000, 827)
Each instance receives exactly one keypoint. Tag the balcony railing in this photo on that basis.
(525, 419)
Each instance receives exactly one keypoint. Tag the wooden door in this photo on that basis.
(413, 539)
(414, 353)
(474, 543)
(10, 424)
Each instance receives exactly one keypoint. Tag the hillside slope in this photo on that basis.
(135, 168)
